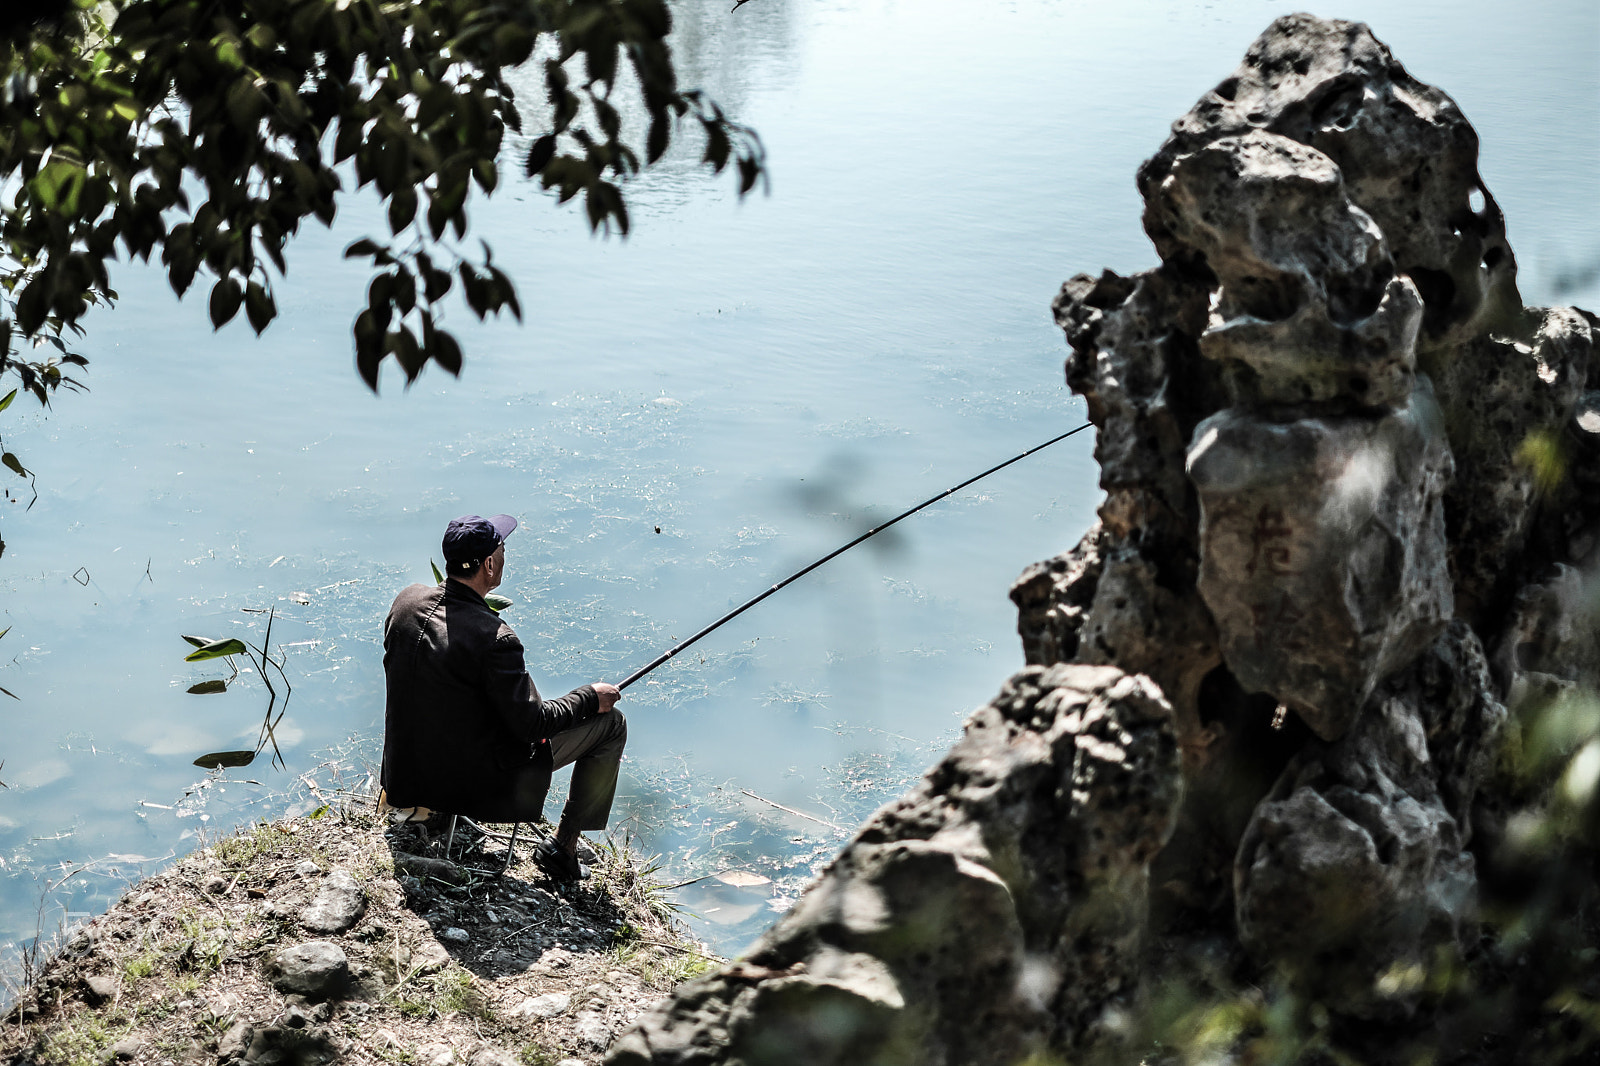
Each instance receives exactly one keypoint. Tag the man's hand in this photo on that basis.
(609, 695)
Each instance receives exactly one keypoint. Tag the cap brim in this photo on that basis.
(503, 524)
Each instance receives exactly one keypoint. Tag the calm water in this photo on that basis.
(757, 380)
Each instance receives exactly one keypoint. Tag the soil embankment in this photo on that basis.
(346, 939)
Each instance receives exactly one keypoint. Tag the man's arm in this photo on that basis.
(517, 700)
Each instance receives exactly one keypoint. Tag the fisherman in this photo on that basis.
(465, 730)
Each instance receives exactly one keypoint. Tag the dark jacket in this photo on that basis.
(464, 729)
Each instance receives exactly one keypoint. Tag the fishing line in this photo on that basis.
(797, 575)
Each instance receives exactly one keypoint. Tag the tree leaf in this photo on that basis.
(402, 208)
(486, 174)
(259, 306)
(60, 183)
(496, 603)
(226, 758)
(216, 650)
(14, 464)
(407, 352)
(513, 43)
(246, 104)
(349, 137)
(225, 299)
(540, 153)
(446, 352)
(660, 135)
(34, 303)
(437, 577)
(206, 688)
(12, 395)
(199, 642)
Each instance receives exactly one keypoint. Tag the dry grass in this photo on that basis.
(435, 961)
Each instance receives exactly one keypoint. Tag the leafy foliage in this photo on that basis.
(206, 134)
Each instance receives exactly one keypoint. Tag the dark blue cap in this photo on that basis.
(470, 539)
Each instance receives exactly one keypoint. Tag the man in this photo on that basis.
(465, 730)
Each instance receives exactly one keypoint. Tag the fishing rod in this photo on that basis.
(797, 575)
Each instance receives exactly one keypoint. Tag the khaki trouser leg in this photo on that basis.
(595, 750)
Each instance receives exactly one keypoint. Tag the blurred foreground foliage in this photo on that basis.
(204, 134)
(1527, 992)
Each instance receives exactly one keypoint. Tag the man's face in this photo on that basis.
(495, 566)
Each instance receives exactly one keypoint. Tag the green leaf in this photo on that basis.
(402, 208)
(259, 306)
(14, 464)
(228, 54)
(206, 688)
(225, 299)
(496, 603)
(7, 629)
(60, 183)
(246, 104)
(199, 642)
(12, 395)
(318, 813)
(446, 352)
(34, 303)
(226, 758)
(406, 351)
(486, 174)
(437, 577)
(660, 135)
(216, 650)
(369, 348)
(540, 153)
(351, 134)
(513, 43)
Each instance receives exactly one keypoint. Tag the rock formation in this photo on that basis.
(993, 912)
(1350, 518)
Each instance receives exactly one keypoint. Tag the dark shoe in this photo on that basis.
(557, 865)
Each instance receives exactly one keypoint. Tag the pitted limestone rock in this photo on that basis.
(1551, 647)
(1138, 620)
(1507, 397)
(1309, 308)
(1323, 556)
(1134, 362)
(991, 914)
(1051, 599)
(1356, 864)
(1408, 157)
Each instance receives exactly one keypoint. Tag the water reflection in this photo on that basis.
(734, 54)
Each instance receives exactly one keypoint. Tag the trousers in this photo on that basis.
(594, 750)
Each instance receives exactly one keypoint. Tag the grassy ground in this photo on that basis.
(449, 962)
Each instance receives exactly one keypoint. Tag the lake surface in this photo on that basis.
(687, 416)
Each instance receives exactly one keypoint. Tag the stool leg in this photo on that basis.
(511, 846)
(450, 836)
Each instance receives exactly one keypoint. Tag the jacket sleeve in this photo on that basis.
(517, 701)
